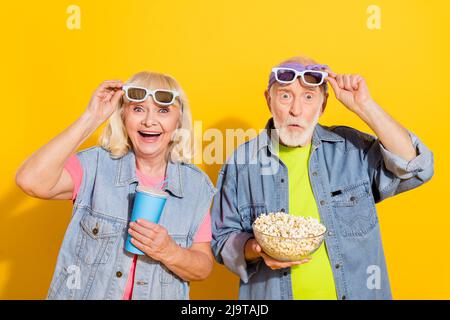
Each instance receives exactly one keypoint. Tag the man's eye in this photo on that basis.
(163, 110)
(138, 109)
(309, 96)
(285, 95)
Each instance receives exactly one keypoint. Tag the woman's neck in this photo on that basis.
(151, 166)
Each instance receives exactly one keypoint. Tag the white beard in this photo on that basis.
(296, 139)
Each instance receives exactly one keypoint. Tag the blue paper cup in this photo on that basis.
(148, 204)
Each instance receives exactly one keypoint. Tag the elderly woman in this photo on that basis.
(147, 142)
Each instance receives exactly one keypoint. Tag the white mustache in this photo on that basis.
(299, 122)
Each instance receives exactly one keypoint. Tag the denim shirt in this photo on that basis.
(349, 171)
(92, 262)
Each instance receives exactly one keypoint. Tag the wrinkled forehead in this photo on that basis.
(297, 87)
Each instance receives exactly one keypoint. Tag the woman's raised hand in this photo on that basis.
(104, 100)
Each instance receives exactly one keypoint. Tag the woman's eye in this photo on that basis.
(309, 96)
(163, 110)
(138, 109)
(285, 95)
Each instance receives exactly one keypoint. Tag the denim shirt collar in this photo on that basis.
(320, 134)
(126, 174)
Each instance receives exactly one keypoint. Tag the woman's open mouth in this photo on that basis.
(149, 136)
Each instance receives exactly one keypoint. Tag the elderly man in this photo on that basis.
(335, 174)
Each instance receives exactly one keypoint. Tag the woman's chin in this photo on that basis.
(147, 149)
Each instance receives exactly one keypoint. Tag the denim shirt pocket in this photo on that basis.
(250, 212)
(98, 236)
(354, 208)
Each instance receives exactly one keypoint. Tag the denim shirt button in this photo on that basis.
(282, 180)
(285, 273)
(314, 174)
(322, 202)
(330, 233)
(118, 274)
(95, 231)
(282, 210)
(344, 297)
(337, 266)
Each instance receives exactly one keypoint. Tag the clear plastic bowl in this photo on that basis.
(288, 249)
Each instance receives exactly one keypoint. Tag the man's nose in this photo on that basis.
(296, 108)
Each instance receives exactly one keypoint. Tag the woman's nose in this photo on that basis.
(150, 118)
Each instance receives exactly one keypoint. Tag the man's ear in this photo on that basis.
(324, 104)
(267, 96)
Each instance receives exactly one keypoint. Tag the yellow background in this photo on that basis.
(221, 52)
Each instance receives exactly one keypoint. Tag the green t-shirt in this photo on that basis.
(313, 280)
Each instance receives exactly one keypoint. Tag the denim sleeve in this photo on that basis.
(228, 234)
(392, 175)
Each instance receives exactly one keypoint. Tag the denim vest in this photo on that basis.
(92, 262)
(349, 172)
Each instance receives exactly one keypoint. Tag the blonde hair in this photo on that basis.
(306, 61)
(114, 137)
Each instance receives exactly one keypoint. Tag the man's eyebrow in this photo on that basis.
(313, 88)
(283, 89)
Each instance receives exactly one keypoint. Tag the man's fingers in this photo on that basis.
(354, 81)
(276, 264)
(347, 82)
(334, 84)
(331, 73)
(301, 261)
(340, 81)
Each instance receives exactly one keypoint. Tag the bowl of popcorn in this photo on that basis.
(285, 237)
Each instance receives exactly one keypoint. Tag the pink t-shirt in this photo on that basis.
(74, 168)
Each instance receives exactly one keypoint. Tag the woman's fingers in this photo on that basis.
(150, 225)
(138, 244)
(109, 85)
(140, 237)
(138, 228)
(116, 97)
(108, 95)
